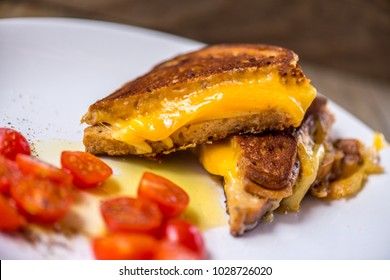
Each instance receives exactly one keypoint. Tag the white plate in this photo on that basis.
(51, 70)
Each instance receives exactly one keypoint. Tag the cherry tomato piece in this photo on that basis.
(183, 232)
(171, 199)
(167, 250)
(9, 172)
(122, 246)
(126, 214)
(10, 218)
(40, 169)
(88, 170)
(41, 200)
(12, 143)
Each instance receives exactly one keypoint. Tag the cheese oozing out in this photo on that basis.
(221, 158)
(310, 158)
(245, 209)
(233, 98)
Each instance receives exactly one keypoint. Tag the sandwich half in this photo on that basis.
(275, 170)
(255, 119)
(201, 97)
(267, 171)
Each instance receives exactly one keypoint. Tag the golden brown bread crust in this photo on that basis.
(199, 69)
(269, 163)
(268, 169)
(269, 158)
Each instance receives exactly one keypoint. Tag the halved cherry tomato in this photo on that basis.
(128, 214)
(41, 200)
(171, 199)
(9, 171)
(167, 250)
(183, 232)
(12, 143)
(122, 246)
(10, 218)
(40, 169)
(88, 171)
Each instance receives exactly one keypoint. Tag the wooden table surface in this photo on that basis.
(365, 96)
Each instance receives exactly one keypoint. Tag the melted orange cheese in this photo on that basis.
(310, 159)
(221, 159)
(245, 209)
(263, 91)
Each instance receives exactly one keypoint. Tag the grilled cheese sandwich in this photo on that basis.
(268, 171)
(201, 96)
(255, 118)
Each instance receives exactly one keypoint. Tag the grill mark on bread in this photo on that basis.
(202, 68)
(268, 159)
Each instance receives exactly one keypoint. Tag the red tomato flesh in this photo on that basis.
(10, 218)
(122, 246)
(88, 171)
(40, 169)
(184, 233)
(9, 172)
(167, 250)
(12, 143)
(126, 214)
(41, 200)
(171, 199)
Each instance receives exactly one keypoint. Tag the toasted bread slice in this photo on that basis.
(265, 171)
(258, 170)
(198, 97)
(270, 163)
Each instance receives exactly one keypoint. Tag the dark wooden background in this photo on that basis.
(351, 35)
(343, 44)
